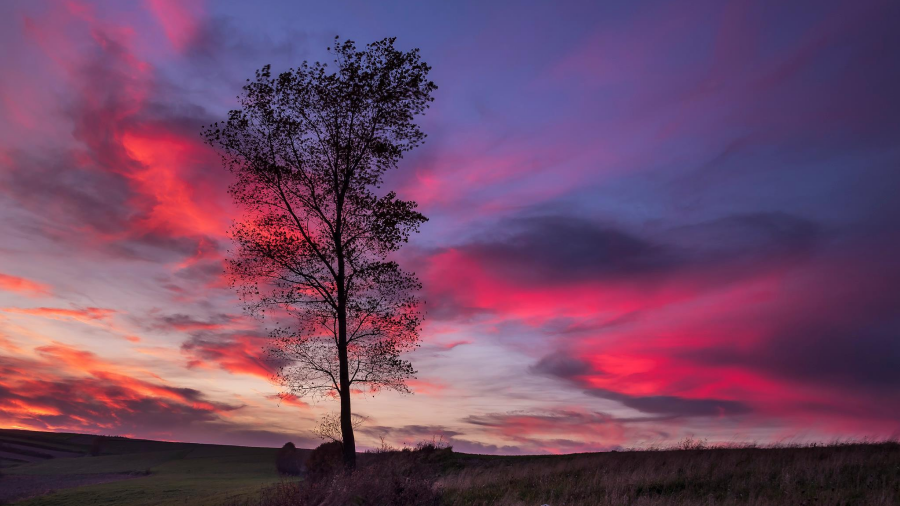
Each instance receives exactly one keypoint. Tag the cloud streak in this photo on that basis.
(23, 286)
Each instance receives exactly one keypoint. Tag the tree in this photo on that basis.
(329, 427)
(309, 149)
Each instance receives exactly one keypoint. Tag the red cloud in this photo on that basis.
(67, 388)
(291, 400)
(235, 353)
(179, 205)
(23, 286)
(745, 327)
(142, 176)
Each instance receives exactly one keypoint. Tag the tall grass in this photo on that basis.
(694, 474)
(384, 477)
(843, 474)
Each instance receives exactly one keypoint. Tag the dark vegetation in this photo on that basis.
(97, 446)
(387, 476)
(843, 474)
(689, 474)
(325, 460)
(24, 451)
(289, 460)
(133, 472)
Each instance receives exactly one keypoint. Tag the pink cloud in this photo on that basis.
(179, 19)
(23, 286)
(89, 315)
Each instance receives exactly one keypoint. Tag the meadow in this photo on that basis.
(829, 475)
(128, 472)
(137, 472)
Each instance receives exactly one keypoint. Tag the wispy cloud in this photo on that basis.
(23, 286)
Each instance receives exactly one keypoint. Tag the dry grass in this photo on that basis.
(387, 477)
(842, 474)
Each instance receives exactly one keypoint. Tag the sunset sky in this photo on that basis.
(648, 220)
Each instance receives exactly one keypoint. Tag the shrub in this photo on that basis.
(325, 460)
(390, 477)
(287, 461)
(689, 443)
(436, 445)
(97, 446)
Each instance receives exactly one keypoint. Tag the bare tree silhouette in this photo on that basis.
(309, 149)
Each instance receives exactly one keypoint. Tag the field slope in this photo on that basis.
(58, 470)
(127, 471)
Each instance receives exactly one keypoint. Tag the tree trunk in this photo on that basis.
(349, 443)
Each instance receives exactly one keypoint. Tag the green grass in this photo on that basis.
(44, 445)
(132, 463)
(170, 474)
(43, 437)
(197, 481)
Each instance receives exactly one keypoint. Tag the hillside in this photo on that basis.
(57, 470)
(127, 471)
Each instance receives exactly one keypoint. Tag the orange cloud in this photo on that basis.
(6, 344)
(240, 354)
(88, 315)
(289, 399)
(67, 388)
(23, 286)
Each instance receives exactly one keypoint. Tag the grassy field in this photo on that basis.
(845, 474)
(864, 474)
(135, 472)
